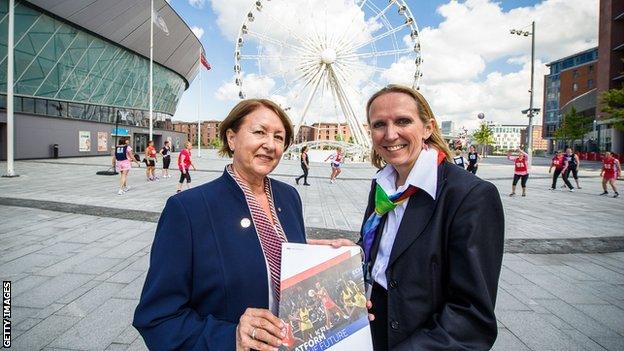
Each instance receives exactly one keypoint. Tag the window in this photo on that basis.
(575, 87)
(591, 68)
(575, 74)
(590, 83)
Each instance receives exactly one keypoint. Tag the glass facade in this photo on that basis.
(59, 64)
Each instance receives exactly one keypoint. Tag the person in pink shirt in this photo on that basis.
(560, 164)
(521, 171)
(611, 170)
(184, 164)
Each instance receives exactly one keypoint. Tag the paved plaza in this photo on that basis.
(77, 253)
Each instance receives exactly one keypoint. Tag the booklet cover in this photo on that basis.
(322, 298)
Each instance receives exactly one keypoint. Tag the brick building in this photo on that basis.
(539, 143)
(209, 130)
(610, 69)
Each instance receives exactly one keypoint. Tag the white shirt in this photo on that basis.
(424, 176)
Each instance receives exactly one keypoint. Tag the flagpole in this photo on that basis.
(199, 112)
(9, 109)
(151, 72)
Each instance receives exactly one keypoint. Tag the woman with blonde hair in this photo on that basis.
(432, 235)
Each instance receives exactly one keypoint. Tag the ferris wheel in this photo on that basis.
(322, 59)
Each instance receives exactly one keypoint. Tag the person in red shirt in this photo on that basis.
(559, 162)
(521, 171)
(611, 170)
(184, 164)
(150, 161)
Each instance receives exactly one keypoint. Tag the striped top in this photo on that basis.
(269, 231)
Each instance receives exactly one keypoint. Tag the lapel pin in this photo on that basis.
(245, 222)
(279, 209)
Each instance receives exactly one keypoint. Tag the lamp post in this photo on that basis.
(530, 112)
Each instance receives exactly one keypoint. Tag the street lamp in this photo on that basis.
(530, 112)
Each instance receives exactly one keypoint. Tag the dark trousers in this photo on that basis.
(304, 176)
(523, 179)
(565, 179)
(379, 327)
(574, 172)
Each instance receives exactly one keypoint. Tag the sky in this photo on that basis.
(471, 62)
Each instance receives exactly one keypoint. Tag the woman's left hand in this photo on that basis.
(259, 329)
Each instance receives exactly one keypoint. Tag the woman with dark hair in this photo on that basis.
(473, 160)
(305, 166)
(165, 152)
(214, 276)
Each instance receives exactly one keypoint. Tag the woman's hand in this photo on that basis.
(336, 243)
(259, 329)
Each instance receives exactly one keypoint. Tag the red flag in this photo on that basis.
(204, 62)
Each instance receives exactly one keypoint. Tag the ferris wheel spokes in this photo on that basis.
(318, 77)
(306, 43)
(379, 53)
(277, 42)
(379, 37)
(356, 127)
(347, 31)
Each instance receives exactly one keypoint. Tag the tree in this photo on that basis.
(613, 104)
(484, 136)
(573, 127)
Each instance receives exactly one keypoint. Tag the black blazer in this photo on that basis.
(444, 265)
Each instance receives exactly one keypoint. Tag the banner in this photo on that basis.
(84, 141)
(102, 141)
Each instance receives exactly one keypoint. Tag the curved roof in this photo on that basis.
(127, 23)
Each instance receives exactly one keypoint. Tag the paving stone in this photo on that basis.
(43, 333)
(506, 341)
(535, 332)
(90, 300)
(609, 315)
(53, 289)
(109, 320)
(611, 344)
(576, 318)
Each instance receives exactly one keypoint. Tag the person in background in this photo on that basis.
(458, 159)
(611, 170)
(558, 162)
(214, 277)
(336, 162)
(165, 152)
(150, 161)
(572, 165)
(184, 165)
(521, 171)
(122, 161)
(473, 160)
(305, 166)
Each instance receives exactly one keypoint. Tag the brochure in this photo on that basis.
(322, 298)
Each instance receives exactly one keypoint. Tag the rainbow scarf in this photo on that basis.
(383, 205)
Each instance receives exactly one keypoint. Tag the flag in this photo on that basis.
(160, 22)
(204, 62)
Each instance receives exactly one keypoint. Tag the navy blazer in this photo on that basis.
(444, 265)
(206, 269)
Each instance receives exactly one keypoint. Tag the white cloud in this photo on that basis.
(471, 63)
(198, 31)
(475, 34)
(197, 3)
